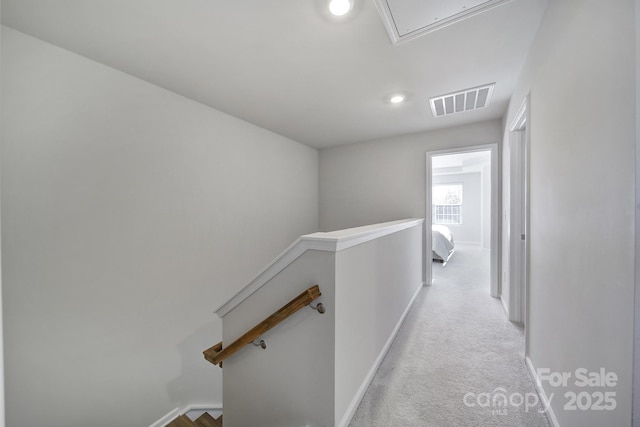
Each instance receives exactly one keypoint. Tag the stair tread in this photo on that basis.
(181, 421)
(206, 420)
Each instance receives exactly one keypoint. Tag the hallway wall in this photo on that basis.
(580, 76)
(129, 214)
(385, 180)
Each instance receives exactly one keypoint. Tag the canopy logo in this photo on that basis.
(499, 401)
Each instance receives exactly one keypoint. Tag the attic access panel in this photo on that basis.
(408, 19)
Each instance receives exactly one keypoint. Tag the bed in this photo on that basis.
(442, 243)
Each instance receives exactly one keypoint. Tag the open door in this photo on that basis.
(450, 177)
(518, 217)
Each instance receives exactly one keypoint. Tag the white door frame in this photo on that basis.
(636, 332)
(519, 218)
(495, 211)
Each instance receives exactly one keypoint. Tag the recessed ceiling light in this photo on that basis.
(397, 99)
(340, 7)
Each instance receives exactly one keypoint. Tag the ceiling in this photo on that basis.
(290, 67)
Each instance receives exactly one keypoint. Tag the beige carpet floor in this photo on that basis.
(457, 361)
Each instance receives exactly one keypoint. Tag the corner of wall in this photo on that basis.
(2, 419)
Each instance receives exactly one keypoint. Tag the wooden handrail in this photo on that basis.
(217, 354)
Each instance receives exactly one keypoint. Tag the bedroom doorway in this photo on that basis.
(462, 208)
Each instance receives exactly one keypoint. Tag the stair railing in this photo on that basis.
(217, 353)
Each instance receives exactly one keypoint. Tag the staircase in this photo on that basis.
(204, 420)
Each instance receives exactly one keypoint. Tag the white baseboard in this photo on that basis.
(166, 419)
(355, 402)
(543, 395)
(193, 411)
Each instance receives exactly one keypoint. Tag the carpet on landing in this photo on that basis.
(456, 361)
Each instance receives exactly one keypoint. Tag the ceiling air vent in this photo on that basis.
(457, 102)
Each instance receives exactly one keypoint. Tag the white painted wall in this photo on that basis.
(385, 180)
(486, 207)
(580, 75)
(290, 383)
(316, 368)
(636, 353)
(375, 285)
(128, 213)
(2, 399)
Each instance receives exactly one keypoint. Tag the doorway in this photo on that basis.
(462, 198)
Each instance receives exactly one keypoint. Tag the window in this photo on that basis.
(447, 204)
